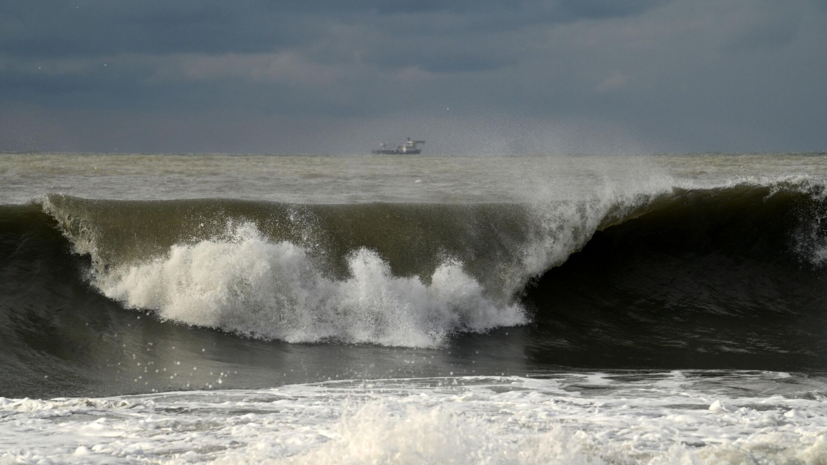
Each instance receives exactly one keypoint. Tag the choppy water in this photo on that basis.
(620, 309)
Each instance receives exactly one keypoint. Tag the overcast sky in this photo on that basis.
(469, 76)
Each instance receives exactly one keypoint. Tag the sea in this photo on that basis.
(542, 309)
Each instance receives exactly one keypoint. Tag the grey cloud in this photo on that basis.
(479, 76)
(95, 27)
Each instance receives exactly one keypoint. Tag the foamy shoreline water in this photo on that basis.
(677, 417)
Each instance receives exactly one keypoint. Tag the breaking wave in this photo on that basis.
(415, 275)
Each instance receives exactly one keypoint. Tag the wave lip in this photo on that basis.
(249, 285)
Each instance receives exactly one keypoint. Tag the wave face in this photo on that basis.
(703, 278)
(694, 277)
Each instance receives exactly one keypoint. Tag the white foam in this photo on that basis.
(493, 420)
(247, 284)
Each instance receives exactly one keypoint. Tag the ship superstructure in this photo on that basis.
(409, 147)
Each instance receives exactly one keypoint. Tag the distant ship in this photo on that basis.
(410, 147)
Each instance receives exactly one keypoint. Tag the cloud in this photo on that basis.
(641, 75)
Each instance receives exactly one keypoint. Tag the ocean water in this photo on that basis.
(413, 309)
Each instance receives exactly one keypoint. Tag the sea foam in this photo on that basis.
(247, 284)
(654, 418)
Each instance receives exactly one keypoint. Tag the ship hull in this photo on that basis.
(395, 152)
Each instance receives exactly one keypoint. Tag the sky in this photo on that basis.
(468, 76)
